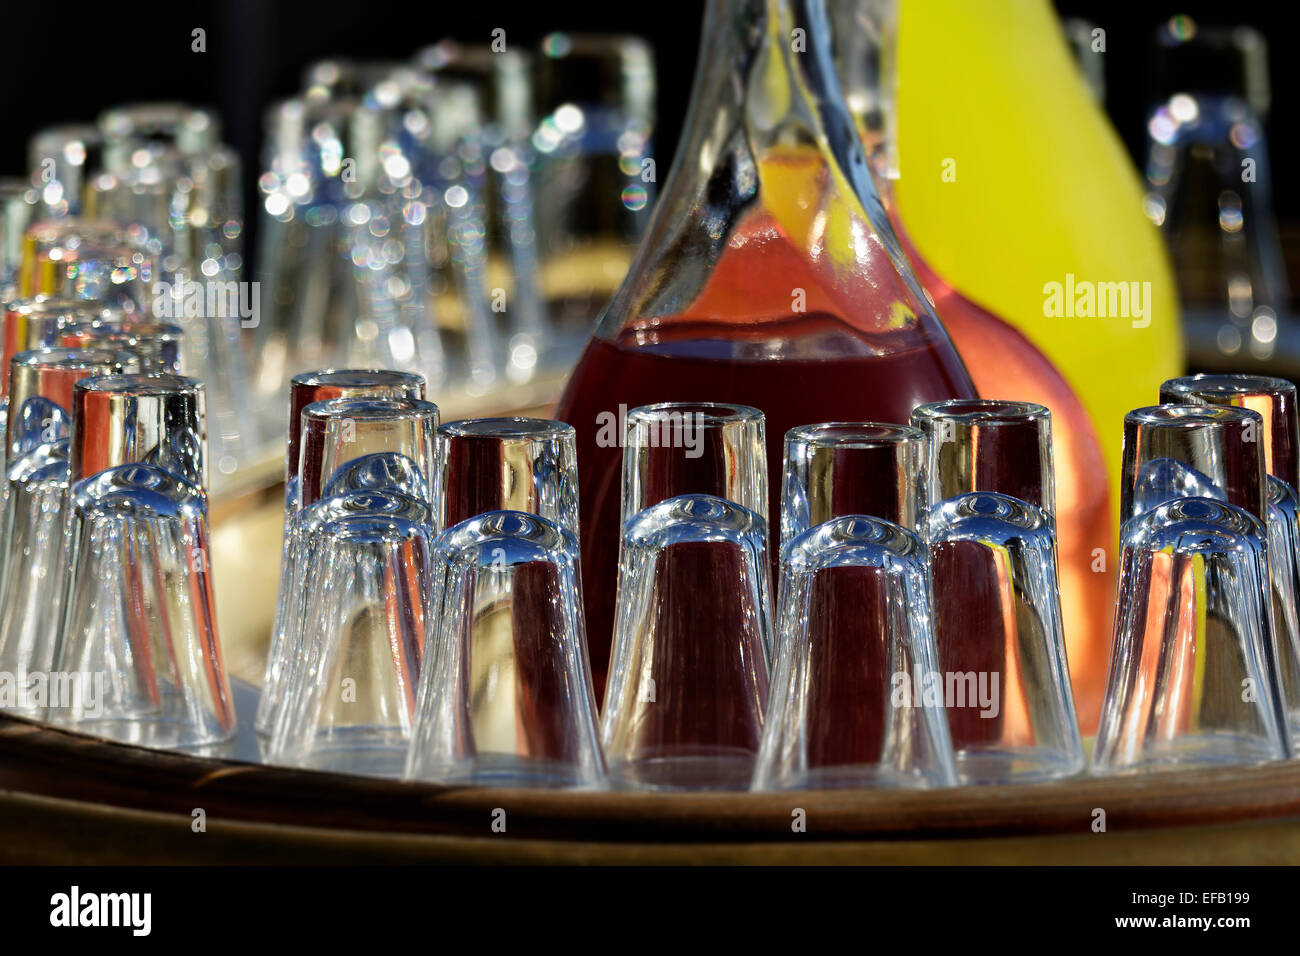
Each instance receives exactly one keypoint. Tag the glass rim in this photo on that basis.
(70, 357)
(518, 427)
(51, 306)
(853, 435)
(67, 131)
(141, 383)
(355, 377)
(983, 411)
(714, 413)
(1175, 415)
(69, 228)
(156, 331)
(127, 119)
(97, 250)
(372, 409)
(1230, 383)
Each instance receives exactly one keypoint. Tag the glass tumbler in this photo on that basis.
(1193, 677)
(87, 259)
(1275, 400)
(852, 468)
(506, 696)
(688, 683)
(854, 699)
(349, 699)
(138, 599)
(992, 535)
(508, 464)
(335, 445)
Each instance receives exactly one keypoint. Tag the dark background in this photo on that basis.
(65, 62)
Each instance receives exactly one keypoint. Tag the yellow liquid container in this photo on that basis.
(1014, 191)
(1012, 179)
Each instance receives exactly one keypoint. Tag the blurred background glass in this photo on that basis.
(557, 128)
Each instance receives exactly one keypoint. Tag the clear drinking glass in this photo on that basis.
(854, 701)
(138, 519)
(1209, 187)
(139, 622)
(290, 639)
(381, 166)
(506, 696)
(669, 449)
(340, 430)
(34, 558)
(988, 445)
(411, 225)
(595, 176)
(301, 262)
(154, 127)
(169, 180)
(1193, 677)
(349, 699)
(18, 210)
(62, 159)
(1175, 451)
(1001, 644)
(507, 699)
(37, 425)
(508, 464)
(334, 435)
(997, 607)
(319, 386)
(157, 345)
(305, 389)
(503, 81)
(84, 259)
(852, 468)
(1275, 400)
(41, 387)
(677, 448)
(688, 681)
(39, 322)
(154, 419)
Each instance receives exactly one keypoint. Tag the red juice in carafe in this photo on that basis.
(838, 361)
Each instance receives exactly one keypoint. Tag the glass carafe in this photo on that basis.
(769, 276)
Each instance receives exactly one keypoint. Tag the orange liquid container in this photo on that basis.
(1004, 182)
(1005, 364)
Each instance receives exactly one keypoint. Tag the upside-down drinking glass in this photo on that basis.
(1275, 400)
(335, 441)
(1193, 676)
(688, 681)
(853, 702)
(506, 696)
(992, 536)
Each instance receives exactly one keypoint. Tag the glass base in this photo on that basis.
(510, 770)
(1004, 765)
(364, 750)
(154, 734)
(857, 777)
(684, 770)
(1205, 750)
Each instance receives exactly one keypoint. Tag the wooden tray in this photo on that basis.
(66, 798)
(71, 799)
